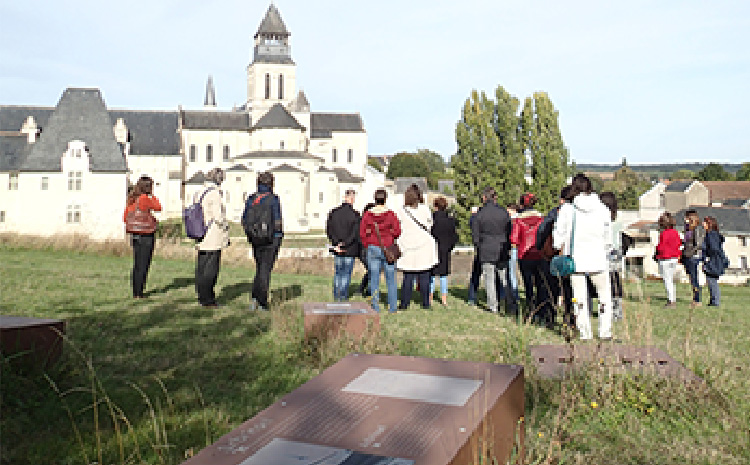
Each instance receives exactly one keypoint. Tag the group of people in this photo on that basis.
(699, 247)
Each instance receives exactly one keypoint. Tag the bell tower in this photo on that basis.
(271, 76)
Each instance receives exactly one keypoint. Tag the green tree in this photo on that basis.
(743, 174)
(406, 165)
(435, 162)
(713, 172)
(513, 162)
(375, 164)
(682, 174)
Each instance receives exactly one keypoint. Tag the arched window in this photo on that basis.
(226, 152)
(209, 153)
(281, 86)
(335, 156)
(268, 86)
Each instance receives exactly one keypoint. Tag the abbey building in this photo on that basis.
(66, 169)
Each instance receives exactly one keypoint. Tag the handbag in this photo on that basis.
(563, 265)
(392, 252)
(139, 222)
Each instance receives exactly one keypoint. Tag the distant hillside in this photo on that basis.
(655, 169)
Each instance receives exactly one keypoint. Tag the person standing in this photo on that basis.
(216, 238)
(667, 253)
(378, 229)
(444, 232)
(364, 286)
(143, 199)
(615, 256)
(476, 267)
(490, 232)
(583, 230)
(342, 229)
(714, 259)
(264, 204)
(513, 211)
(536, 277)
(418, 247)
(694, 236)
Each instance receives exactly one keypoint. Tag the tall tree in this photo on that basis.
(435, 162)
(512, 183)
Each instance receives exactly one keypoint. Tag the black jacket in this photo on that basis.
(342, 227)
(444, 232)
(490, 231)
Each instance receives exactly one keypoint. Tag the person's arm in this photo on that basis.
(515, 233)
(278, 225)
(396, 226)
(351, 237)
(146, 203)
(562, 229)
(329, 229)
(475, 230)
(363, 228)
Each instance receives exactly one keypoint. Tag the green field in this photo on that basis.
(155, 381)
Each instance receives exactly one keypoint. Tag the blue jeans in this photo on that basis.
(375, 262)
(691, 267)
(443, 284)
(342, 276)
(512, 274)
(476, 274)
(713, 289)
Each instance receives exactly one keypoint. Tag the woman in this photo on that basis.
(667, 253)
(583, 231)
(694, 236)
(444, 232)
(378, 229)
(418, 247)
(141, 198)
(714, 259)
(364, 287)
(216, 238)
(615, 255)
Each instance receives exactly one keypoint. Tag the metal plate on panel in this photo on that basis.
(284, 452)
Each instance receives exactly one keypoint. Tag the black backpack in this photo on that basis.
(258, 221)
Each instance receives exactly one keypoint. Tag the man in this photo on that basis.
(342, 229)
(259, 206)
(216, 238)
(490, 232)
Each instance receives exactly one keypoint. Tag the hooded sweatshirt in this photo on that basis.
(591, 236)
(387, 223)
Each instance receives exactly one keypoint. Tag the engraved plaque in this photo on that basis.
(330, 319)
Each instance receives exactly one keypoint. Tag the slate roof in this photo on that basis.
(272, 24)
(721, 191)
(300, 103)
(79, 115)
(239, 167)
(278, 118)
(286, 168)
(150, 132)
(277, 154)
(678, 186)
(197, 178)
(12, 150)
(223, 120)
(323, 124)
(731, 220)
(12, 117)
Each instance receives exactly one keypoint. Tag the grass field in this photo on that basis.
(155, 381)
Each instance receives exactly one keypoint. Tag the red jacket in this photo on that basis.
(145, 203)
(523, 235)
(388, 225)
(669, 244)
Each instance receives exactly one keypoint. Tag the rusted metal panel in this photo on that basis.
(32, 340)
(384, 409)
(327, 319)
(557, 361)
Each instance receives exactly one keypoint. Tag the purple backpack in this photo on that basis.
(192, 216)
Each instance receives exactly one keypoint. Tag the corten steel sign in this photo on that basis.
(326, 319)
(385, 410)
(38, 340)
(557, 361)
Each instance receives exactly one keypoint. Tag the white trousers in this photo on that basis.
(668, 268)
(600, 281)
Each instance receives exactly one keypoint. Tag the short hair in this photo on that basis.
(380, 196)
(581, 184)
(610, 200)
(488, 192)
(265, 178)
(367, 207)
(145, 185)
(350, 191)
(440, 203)
(216, 175)
(711, 223)
(566, 193)
(666, 221)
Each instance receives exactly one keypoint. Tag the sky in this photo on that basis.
(654, 81)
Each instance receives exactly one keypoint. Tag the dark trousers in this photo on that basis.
(143, 250)
(476, 274)
(265, 256)
(691, 267)
(206, 273)
(536, 282)
(561, 286)
(421, 277)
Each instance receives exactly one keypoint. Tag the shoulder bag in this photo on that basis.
(418, 223)
(563, 265)
(139, 221)
(392, 252)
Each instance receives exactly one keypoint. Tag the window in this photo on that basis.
(227, 196)
(13, 182)
(45, 183)
(335, 156)
(192, 153)
(320, 197)
(743, 241)
(743, 263)
(268, 86)
(74, 180)
(74, 214)
(209, 153)
(281, 145)
(350, 155)
(2, 216)
(226, 152)
(316, 215)
(281, 86)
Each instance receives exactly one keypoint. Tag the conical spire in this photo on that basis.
(210, 100)
(272, 24)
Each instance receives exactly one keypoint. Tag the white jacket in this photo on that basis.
(592, 238)
(214, 215)
(418, 247)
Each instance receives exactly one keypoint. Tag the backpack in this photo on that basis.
(192, 216)
(258, 221)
